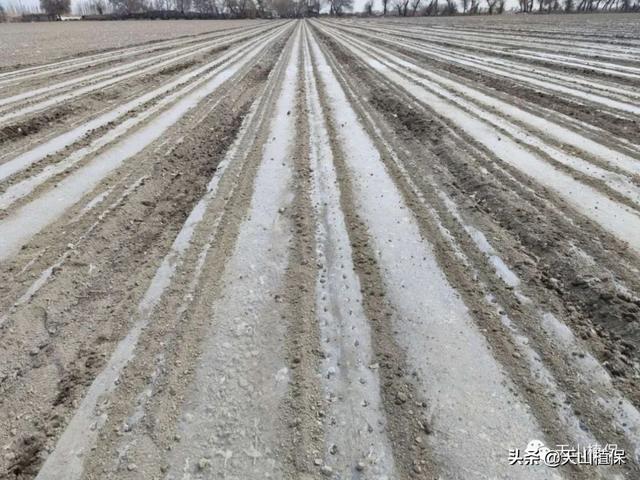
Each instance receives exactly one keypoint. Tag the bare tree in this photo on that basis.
(84, 7)
(128, 6)
(3, 14)
(414, 6)
(545, 5)
(246, 8)
(491, 4)
(451, 8)
(385, 4)
(295, 8)
(368, 8)
(431, 9)
(402, 6)
(501, 5)
(261, 8)
(525, 5)
(282, 8)
(338, 7)
(313, 8)
(231, 7)
(55, 8)
(209, 7)
(299, 8)
(183, 5)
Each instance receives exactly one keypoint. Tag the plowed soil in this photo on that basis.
(348, 249)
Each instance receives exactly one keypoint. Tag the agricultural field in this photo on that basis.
(41, 42)
(322, 248)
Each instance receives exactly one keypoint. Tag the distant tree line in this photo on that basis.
(204, 8)
(123, 9)
(406, 8)
(529, 6)
(54, 9)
